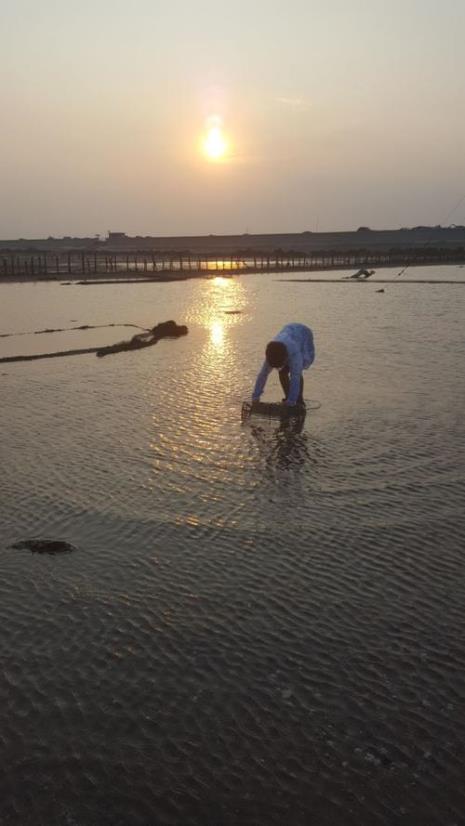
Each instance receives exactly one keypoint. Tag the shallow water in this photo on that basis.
(260, 625)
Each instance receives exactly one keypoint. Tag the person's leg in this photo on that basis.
(284, 379)
(300, 400)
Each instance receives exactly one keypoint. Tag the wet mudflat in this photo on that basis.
(262, 624)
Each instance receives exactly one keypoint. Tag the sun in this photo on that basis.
(215, 143)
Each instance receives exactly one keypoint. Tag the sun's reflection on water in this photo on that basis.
(222, 281)
(190, 447)
(220, 304)
(222, 308)
(217, 333)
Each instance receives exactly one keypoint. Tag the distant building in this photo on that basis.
(117, 236)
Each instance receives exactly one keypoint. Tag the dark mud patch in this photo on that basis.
(45, 546)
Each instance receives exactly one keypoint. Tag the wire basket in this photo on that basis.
(272, 410)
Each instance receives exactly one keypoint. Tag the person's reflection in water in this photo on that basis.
(287, 447)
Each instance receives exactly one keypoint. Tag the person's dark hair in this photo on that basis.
(276, 354)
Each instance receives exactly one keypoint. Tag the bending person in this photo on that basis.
(290, 352)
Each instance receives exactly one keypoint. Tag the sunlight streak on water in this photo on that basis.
(217, 333)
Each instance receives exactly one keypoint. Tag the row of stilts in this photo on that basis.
(50, 264)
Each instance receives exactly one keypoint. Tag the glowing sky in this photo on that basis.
(333, 113)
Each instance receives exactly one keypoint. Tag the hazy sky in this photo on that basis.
(337, 113)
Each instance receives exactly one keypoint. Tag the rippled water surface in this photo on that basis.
(260, 624)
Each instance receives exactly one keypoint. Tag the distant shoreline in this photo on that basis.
(307, 241)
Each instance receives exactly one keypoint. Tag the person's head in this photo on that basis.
(276, 354)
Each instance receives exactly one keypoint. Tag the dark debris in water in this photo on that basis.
(45, 546)
(167, 329)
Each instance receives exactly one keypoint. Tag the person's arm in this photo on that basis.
(295, 369)
(261, 381)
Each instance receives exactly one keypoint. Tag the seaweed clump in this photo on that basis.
(167, 329)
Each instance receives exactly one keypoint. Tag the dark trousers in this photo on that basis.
(285, 382)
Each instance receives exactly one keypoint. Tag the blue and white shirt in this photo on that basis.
(298, 340)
